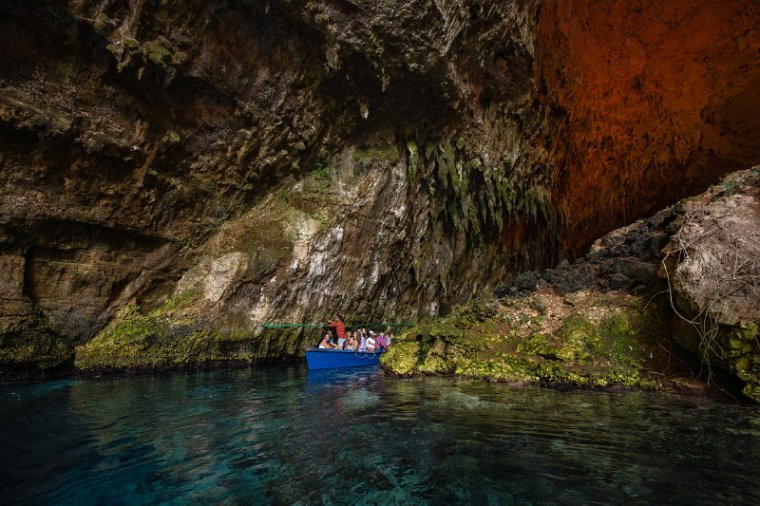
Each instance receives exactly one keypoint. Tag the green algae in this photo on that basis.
(477, 199)
(413, 159)
(743, 356)
(162, 337)
(43, 351)
(103, 24)
(588, 350)
(402, 357)
(171, 335)
(161, 55)
(147, 344)
(734, 348)
(387, 153)
(132, 54)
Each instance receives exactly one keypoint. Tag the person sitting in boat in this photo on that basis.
(352, 343)
(342, 343)
(339, 326)
(362, 340)
(371, 343)
(326, 342)
(382, 343)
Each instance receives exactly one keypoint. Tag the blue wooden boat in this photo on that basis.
(318, 358)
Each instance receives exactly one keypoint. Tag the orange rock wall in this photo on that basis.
(651, 100)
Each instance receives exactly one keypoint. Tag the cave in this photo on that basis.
(236, 163)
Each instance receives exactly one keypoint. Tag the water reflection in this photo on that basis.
(282, 435)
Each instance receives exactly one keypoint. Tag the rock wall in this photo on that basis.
(651, 101)
(712, 265)
(204, 167)
(609, 321)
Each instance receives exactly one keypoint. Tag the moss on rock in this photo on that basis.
(165, 338)
(740, 351)
(601, 342)
(401, 358)
(39, 351)
(387, 153)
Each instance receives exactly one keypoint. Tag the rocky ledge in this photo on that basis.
(667, 302)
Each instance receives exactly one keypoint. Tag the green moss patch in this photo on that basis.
(40, 351)
(381, 152)
(603, 342)
(164, 338)
(742, 352)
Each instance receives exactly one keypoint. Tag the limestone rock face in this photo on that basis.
(608, 320)
(713, 266)
(652, 102)
(203, 167)
(718, 246)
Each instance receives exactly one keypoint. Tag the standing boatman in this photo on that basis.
(339, 326)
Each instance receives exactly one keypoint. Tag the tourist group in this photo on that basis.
(359, 340)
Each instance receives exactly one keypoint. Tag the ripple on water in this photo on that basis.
(280, 435)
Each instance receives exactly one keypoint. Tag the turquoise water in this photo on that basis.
(279, 435)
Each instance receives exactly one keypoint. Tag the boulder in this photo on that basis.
(712, 265)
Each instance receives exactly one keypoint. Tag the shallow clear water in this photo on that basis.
(281, 435)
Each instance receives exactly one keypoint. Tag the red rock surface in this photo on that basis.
(653, 100)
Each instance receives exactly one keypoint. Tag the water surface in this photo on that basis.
(280, 435)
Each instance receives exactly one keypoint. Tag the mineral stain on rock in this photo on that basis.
(175, 175)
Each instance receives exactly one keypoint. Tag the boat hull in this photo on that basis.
(329, 359)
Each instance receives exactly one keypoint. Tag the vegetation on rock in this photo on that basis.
(283, 160)
(582, 339)
(607, 320)
(169, 337)
(712, 265)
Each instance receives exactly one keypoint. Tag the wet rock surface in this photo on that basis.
(279, 161)
(667, 302)
(330, 149)
(595, 323)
